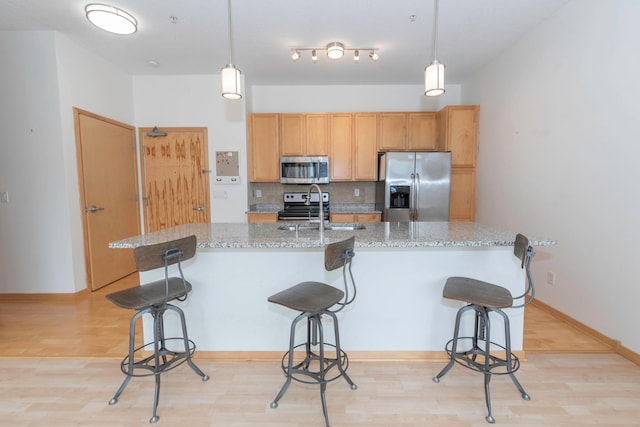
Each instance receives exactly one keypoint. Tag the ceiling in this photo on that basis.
(195, 40)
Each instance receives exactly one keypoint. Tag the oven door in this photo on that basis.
(304, 170)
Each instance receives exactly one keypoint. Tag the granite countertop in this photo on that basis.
(354, 208)
(375, 235)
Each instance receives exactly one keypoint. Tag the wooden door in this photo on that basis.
(175, 177)
(108, 178)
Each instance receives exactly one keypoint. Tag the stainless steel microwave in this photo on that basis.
(304, 170)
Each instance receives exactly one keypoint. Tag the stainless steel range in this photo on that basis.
(295, 208)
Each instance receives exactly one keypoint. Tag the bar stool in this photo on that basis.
(484, 298)
(314, 300)
(153, 298)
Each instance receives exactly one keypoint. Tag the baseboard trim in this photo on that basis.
(614, 344)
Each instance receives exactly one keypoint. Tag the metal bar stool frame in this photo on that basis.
(478, 356)
(316, 365)
(153, 299)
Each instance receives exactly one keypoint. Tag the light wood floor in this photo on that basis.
(59, 366)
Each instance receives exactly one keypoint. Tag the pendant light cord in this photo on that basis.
(230, 39)
(435, 31)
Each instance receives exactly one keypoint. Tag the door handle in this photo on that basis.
(93, 208)
(199, 208)
(417, 199)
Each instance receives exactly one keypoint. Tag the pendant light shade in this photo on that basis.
(434, 73)
(231, 82)
(434, 79)
(230, 74)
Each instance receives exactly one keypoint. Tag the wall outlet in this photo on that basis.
(551, 277)
(258, 193)
(4, 197)
(356, 192)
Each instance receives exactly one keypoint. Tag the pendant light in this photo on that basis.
(434, 73)
(230, 74)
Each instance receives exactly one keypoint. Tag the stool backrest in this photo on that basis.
(166, 253)
(339, 254)
(524, 252)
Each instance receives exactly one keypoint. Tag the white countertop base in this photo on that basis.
(399, 305)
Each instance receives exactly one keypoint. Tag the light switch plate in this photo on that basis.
(4, 197)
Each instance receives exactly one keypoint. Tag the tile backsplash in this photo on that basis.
(340, 192)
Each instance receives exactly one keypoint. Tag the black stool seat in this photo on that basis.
(310, 297)
(314, 300)
(477, 292)
(478, 352)
(155, 293)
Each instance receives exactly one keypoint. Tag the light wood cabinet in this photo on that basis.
(365, 154)
(392, 131)
(423, 131)
(262, 217)
(350, 217)
(458, 133)
(317, 134)
(292, 136)
(340, 146)
(264, 148)
(462, 205)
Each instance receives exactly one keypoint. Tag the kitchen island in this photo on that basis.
(399, 268)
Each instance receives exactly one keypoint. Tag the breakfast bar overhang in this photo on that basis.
(399, 268)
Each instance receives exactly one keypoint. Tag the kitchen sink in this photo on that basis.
(344, 227)
(315, 227)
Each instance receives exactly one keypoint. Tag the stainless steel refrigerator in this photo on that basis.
(414, 186)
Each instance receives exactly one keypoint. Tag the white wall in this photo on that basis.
(196, 101)
(559, 157)
(44, 76)
(286, 99)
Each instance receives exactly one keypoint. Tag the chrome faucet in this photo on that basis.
(321, 212)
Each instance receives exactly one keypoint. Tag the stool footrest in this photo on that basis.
(474, 358)
(304, 372)
(167, 359)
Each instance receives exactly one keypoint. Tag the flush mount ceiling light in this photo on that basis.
(111, 19)
(230, 74)
(434, 73)
(334, 50)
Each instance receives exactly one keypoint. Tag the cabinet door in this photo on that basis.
(423, 131)
(342, 217)
(292, 135)
(264, 152)
(372, 217)
(317, 134)
(340, 147)
(459, 127)
(463, 195)
(393, 131)
(365, 162)
(262, 217)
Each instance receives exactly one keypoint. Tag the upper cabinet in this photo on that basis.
(458, 133)
(365, 154)
(263, 148)
(292, 135)
(340, 146)
(317, 130)
(408, 131)
(392, 131)
(423, 131)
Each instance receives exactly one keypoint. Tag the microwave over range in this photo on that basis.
(304, 170)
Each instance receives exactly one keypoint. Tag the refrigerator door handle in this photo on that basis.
(412, 199)
(416, 184)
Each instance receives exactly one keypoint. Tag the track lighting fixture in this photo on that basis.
(334, 50)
